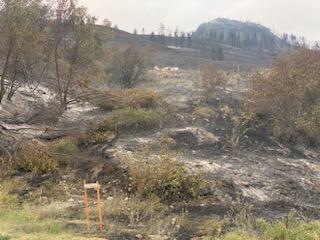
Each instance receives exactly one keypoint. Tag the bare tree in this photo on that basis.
(130, 66)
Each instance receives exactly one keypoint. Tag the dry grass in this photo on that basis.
(127, 217)
(205, 113)
(289, 94)
(35, 158)
(134, 98)
(132, 215)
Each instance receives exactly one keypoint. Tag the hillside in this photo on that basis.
(191, 56)
(260, 180)
(97, 143)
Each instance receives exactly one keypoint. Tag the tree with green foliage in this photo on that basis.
(22, 25)
(76, 48)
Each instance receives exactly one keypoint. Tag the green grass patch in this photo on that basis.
(66, 145)
(124, 120)
(3, 237)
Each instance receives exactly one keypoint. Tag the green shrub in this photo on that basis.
(36, 158)
(290, 229)
(66, 145)
(135, 98)
(2, 237)
(287, 229)
(134, 118)
(8, 201)
(162, 177)
(124, 119)
(240, 234)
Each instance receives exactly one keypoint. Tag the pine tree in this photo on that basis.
(152, 36)
(220, 53)
(221, 37)
(176, 37)
(189, 40)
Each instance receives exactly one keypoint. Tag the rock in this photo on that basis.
(8, 142)
(26, 104)
(194, 137)
(54, 134)
(157, 237)
(139, 236)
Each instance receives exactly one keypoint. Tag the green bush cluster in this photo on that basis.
(66, 145)
(2, 237)
(162, 177)
(8, 200)
(287, 229)
(135, 118)
(135, 98)
(124, 119)
(132, 109)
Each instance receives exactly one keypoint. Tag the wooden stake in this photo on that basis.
(99, 208)
(86, 205)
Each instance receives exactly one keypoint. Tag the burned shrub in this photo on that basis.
(288, 94)
(35, 158)
(211, 77)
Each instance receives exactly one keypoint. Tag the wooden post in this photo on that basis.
(96, 186)
(99, 208)
(86, 205)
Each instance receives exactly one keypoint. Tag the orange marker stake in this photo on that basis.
(96, 186)
(86, 205)
(99, 208)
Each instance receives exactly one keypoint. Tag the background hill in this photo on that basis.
(229, 44)
(243, 35)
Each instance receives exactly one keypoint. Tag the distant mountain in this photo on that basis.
(238, 34)
(229, 44)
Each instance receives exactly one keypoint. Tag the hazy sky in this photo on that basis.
(301, 17)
